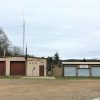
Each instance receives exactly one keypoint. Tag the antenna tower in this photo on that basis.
(23, 35)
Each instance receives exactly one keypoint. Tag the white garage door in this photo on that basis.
(83, 72)
(96, 71)
(69, 71)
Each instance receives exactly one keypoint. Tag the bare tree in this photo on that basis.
(6, 49)
(14, 51)
(4, 42)
(17, 51)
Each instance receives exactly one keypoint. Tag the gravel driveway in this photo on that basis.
(28, 89)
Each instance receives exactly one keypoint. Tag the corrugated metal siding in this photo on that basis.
(96, 71)
(83, 72)
(70, 71)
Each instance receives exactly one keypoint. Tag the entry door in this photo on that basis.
(41, 70)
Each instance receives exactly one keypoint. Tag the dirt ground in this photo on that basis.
(28, 89)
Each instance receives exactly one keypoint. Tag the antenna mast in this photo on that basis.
(23, 35)
(23, 44)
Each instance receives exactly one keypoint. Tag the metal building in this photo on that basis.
(87, 68)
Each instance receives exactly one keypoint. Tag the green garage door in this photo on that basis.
(83, 72)
(95, 71)
(69, 71)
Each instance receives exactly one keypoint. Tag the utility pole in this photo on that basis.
(26, 53)
(26, 59)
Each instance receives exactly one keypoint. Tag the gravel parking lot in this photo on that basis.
(29, 89)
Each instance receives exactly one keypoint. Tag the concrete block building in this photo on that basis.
(33, 66)
(36, 67)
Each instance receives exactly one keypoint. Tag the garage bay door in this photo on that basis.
(69, 71)
(17, 68)
(2, 68)
(83, 72)
(95, 71)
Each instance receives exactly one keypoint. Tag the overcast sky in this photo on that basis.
(69, 27)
